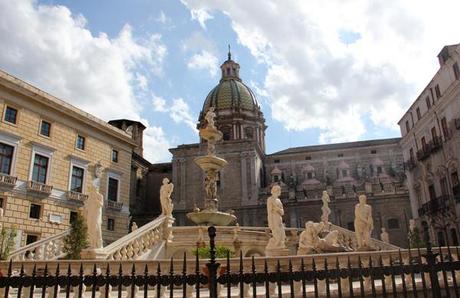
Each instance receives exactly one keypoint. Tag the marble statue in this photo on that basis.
(275, 214)
(210, 115)
(93, 214)
(384, 236)
(325, 209)
(1, 212)
(134, 226)
(210, 186)
(311, 242)
(364, 223)
(236, 231)
(98, 170)
(165, 197)
(412, 225)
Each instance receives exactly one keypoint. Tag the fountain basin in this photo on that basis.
(211, 218)
(210, 163)
(211, 134)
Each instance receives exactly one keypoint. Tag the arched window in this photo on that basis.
(249, 133)
(227, 133)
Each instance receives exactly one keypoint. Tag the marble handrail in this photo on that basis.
(138, 242)
(50, 248)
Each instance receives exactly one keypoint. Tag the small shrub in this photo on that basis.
(6, 242)
(221, 252)
(77, 240)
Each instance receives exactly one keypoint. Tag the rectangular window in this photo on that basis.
(11, 115)
(80, 142)
(432, 192)
(310, 175)
(434, 135)
(340, 155)
(276, 161)
(456, 71)
(428, 102)
(76, 182)
(379, 170)
(31, 238)
(73, 217)
(115, 155)
(423, 143)
(407, 126)
(307, 157)
(112, 194)
(35, 211)
(373, 151)
(437, 91)
(40, 168)
(419, 115)
(45, 128)
(6, 158)
(445, 129)
(411, 154)
(111, 224)
(344, 173)
(444, 187)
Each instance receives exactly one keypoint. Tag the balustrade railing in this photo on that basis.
(49, 248)
(139, 241)
(395, 273)
(76, 196)
(39, 188)
(114, 205)
(8, 180)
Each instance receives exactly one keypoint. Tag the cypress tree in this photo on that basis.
(77, 240)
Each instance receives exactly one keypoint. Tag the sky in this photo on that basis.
(323, 71)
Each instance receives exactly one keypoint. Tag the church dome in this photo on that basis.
(231, 92)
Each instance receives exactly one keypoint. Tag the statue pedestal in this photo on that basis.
(366, 248)
(167, 229)
(276, 252)
(93, 254)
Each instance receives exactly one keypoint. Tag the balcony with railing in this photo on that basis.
(7, 180)
(436, 206)
(76, 196)
(113, 205)
(39, 188)
(410, 164)
(431, 147)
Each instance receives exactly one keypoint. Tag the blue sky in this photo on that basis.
(323, 72)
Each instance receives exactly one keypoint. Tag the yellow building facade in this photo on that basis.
(49, 154)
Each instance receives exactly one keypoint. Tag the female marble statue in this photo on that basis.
(275, 214)
(210, 115)
(364, 223)
(325, 209)
(165, 197)
(93, 215)
(384, 236)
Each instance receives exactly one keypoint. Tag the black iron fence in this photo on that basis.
(408, 273)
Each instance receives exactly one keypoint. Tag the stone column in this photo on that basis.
(253, 181)
(182, 179)
(244, 184)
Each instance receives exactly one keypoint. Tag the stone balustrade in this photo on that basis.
(126, 266)
(7, 180)
(50, 248)
(39, 188)
(138, 242)
(114, 205)
(76, 196)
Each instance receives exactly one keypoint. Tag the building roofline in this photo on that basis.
(337, 146)
(127, 120)
(13, 83)
(426, 86)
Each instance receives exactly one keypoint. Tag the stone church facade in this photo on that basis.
(345, 170)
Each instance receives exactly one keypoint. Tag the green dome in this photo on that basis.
(230, 93)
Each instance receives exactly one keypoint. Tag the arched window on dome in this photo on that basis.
(227, 132)
(249, 133)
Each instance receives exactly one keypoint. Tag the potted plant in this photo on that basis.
(221, 252)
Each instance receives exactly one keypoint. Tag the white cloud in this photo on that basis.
(316, 79)
(180, 113)
(51, 48)
(201, 15)
(159, 103)
(204, 61)
(178, 110)
(157, 144)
